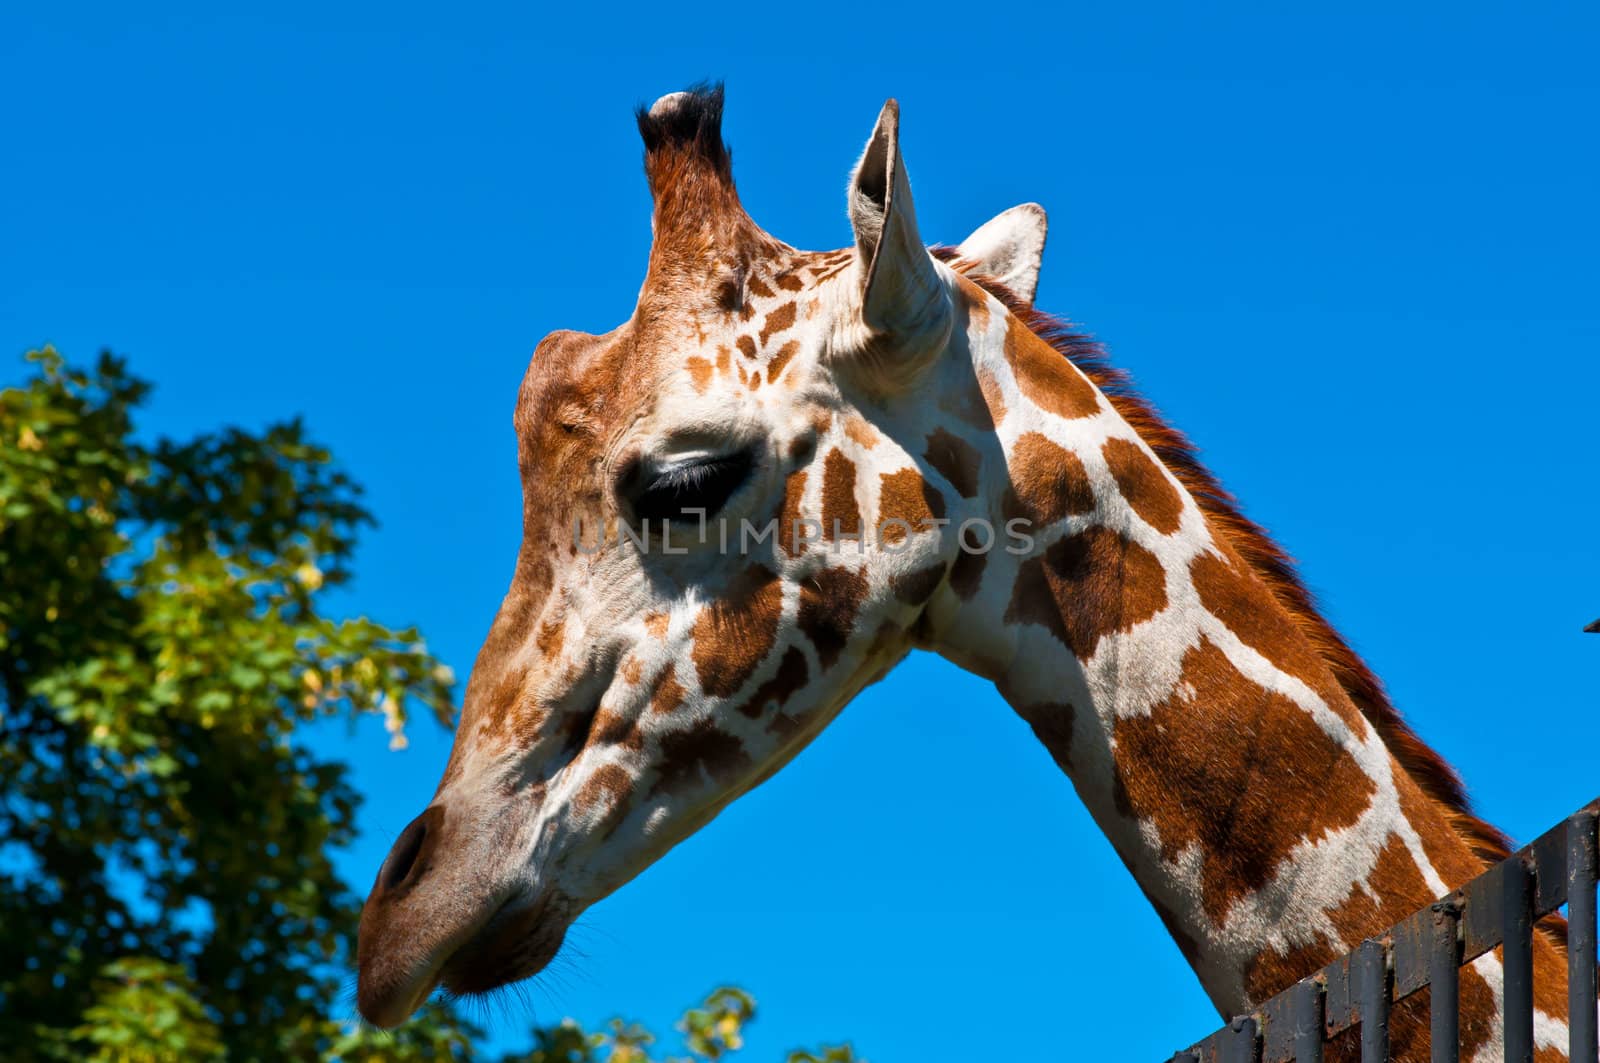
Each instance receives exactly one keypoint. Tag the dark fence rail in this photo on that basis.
(1499, 907)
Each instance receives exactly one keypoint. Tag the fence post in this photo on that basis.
(1582, 1041)
(1517, 935)
(1444, 978)
(1372, 963)
(1307, 1011)
(1242, 1043)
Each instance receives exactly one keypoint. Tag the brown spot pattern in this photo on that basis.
(781, 359)
(966, 574)
(830, 272)
(956, 460)
(790, 677)
(699, 373)
(829, 601)
(977, 304)
(506, 695)
(609, 783)
(551, 635)
(702, 751)
(915, 588)
(1236, 597)
(520, 719)
(1048, 483)
(669, 693)
(613, 728)
(1145, 487)
(994, 399)
(1088, 585)
(777, 321)
(794, 492)
(906, 496)
(736, 631)
(841, 519)
(1238, 769)
(1045, 376)
(860, 432)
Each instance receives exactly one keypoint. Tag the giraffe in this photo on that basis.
(785, 471)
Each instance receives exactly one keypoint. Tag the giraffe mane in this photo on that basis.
(1437, 779)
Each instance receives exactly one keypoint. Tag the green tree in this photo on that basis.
(164, 835)
(166, 884)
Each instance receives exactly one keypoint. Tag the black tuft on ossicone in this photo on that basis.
(689, 122)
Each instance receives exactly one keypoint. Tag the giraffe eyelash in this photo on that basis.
(685, 488)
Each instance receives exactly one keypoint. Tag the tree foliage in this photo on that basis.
(166, 884)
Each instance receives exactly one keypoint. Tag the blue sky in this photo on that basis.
(1351, 252)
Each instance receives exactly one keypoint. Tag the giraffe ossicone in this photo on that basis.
(899, 405)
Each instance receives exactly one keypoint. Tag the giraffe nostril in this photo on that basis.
(403, 858)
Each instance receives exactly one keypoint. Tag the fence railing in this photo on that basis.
(1499, 907)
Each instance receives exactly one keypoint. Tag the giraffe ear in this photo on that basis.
(904, 304)
(1009, 246)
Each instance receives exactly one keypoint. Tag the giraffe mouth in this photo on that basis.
(518, 941)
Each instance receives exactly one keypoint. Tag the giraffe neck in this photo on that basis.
(1260, 811)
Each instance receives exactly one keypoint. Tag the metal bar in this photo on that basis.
(1307, 1012)
(1517, 935)
(1213, 1048)
(1276, 1020)
(1582, 1039)
(1444, 975)
(1338, 996)
(1410, 951)
(1482, 927)
(1186, 1057)
(1372, 975)
(1547, 857)
(1242, 1043)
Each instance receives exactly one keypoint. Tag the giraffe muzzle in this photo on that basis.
(439, 913)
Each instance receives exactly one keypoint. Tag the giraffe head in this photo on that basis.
(730, 528)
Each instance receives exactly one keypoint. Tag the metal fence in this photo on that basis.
(1499, 907)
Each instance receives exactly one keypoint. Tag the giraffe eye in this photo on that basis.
(670, 492)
